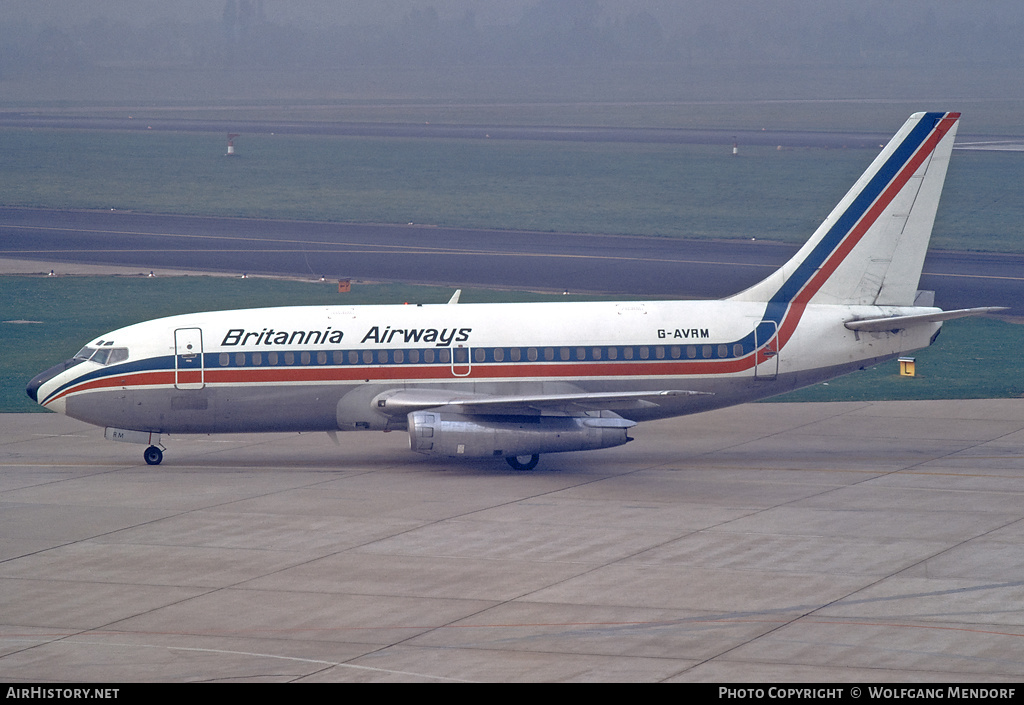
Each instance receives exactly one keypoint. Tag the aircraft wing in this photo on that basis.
(899, 322)
(402, 401)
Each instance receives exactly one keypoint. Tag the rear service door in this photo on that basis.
(188, 358)
(766, 363)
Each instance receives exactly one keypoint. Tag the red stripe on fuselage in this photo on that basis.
(135, 379)
(434, 373)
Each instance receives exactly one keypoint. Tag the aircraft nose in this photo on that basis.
(43, 377)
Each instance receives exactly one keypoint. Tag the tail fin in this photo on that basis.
(871, 248)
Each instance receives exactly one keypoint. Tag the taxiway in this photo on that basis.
(842, 542)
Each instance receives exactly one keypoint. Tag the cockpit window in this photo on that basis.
(104, 356)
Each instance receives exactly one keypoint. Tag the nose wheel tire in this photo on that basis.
(153, 455)
(519, 462)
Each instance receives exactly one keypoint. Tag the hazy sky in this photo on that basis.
(674, 15)
(644, 51)
(800, 30)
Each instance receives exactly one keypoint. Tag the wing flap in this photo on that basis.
(402, 401)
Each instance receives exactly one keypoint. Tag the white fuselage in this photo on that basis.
(294, 368)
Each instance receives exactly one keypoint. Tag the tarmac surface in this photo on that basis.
(841, 542)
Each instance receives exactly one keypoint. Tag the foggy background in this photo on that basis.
(632, 63)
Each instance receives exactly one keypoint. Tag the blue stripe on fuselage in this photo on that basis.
(151, 364)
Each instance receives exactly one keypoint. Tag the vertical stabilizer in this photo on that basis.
(871, 248)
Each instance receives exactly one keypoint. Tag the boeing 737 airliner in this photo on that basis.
(514, 381)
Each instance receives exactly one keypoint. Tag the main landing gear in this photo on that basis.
(153, 455)
(520, 462)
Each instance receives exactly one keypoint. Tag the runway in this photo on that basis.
(581, 263)
(766, 543)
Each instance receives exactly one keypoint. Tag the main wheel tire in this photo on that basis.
(517, 464)
(153, 455)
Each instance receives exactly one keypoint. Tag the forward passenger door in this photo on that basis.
(188, 359)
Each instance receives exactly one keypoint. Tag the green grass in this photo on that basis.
(693, 191)
(974, 358)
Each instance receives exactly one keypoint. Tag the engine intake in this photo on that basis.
(466, 436)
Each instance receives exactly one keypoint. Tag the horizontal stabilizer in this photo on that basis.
(401, 402)
(900, 322)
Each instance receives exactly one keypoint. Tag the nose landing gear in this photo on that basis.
(152, 455)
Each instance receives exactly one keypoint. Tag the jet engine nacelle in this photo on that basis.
(461, 435)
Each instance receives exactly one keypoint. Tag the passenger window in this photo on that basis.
(289, 358)
(272, 358)
(499, 355)
(240, 359)
(321, 358)
(414, 356)
(225, 359)
(257, 359)
(399, 356)
(737, 350)
(479, 355)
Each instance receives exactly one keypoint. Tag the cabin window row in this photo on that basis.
(482, 355)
